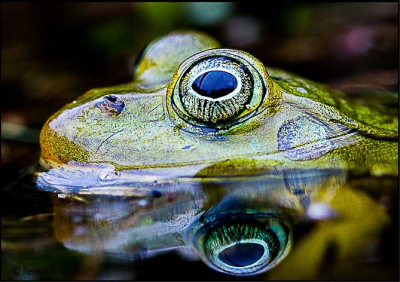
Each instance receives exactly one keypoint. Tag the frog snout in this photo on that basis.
(56, 147)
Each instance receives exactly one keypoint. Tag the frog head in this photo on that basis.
(192, 104)
(187, 95)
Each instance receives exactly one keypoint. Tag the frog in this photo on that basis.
(191, 104)
(197, 117)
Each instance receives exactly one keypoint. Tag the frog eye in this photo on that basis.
(111, 104)
(217, 88)
(243, 247)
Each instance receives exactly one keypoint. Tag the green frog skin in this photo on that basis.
(198, 111)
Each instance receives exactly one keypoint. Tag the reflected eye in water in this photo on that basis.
(243, 247)
(217, 88)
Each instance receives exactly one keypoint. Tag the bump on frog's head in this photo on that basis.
(163, 55)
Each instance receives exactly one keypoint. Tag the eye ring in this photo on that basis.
(245, 101)
(209, 110)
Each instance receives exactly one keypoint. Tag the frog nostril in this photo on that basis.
(111, 104)
(215, 84)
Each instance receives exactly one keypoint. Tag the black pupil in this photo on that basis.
(243, 254)
(215, 84)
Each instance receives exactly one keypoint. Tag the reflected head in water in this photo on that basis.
(239, 227)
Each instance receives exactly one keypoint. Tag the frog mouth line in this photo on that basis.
(339, 140)
(102, 179)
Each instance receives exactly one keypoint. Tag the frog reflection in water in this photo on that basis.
(240, 227)
(197, 114)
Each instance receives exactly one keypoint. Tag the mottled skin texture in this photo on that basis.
(298, 121)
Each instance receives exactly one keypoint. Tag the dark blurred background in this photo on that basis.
(52, 53)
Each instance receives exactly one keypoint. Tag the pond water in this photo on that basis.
(280, 223)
